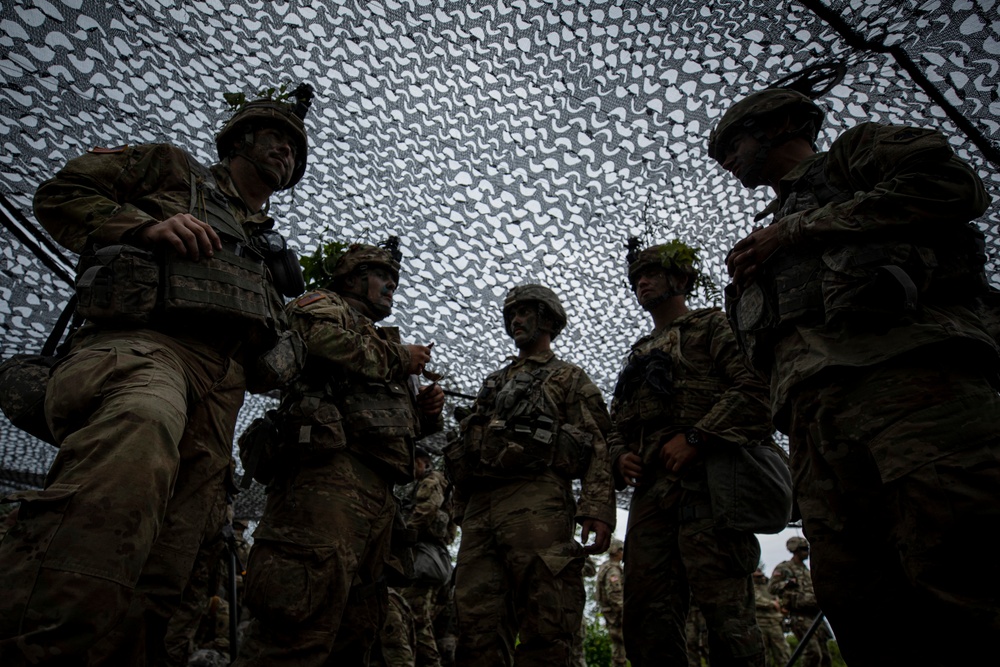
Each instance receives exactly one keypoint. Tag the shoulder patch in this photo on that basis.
(311, 297)
(100, 150)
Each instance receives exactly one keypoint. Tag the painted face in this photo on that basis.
(523, 323)
(273, 153)
(381, 289)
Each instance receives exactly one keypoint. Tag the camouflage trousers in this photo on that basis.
(775, 644)
(145, 425)
(421, 601)
(519, 575)
(897, 469)
(613, 622)
(315, 585)
(396, 641)
(817, 650)
(670, 564)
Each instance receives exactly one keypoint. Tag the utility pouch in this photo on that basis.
(573, 451)
(314, 427)
(750, 487)
(278, 366)
(118, 285)
(224, 288)
(461, 453)
(23, 382)
(384, 411)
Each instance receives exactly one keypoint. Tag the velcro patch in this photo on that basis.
(312, 297)
(100, 150)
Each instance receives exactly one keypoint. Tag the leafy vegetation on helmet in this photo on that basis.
(237, 101)
(317, 269)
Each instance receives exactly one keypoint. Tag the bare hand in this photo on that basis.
(630, 468)
(602, 536)
(676, 453)
(186, 234)
(744, 260)
(419, 356)
(430, 400)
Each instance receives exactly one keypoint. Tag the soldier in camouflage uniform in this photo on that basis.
(316, 581)
(685, 391)
(397, 638)
(792, 584)
(860, 300)
(426, 506)
(179, 280)
(696, 636)
(610, 596)
(537, 424)
(770, 620)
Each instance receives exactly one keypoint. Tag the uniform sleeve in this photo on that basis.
(586, 410)
(324, 327)
(900, 176)
(98, 197)
(742, 414)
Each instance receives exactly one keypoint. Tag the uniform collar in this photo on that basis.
(539, 358)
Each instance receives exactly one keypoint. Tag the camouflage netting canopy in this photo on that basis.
(502, 141)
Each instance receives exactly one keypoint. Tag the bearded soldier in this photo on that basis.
(537, 424)
(860, 300)
(684, 396)
(316, 577)
(610, 592)
(792, 583)
(178, 278)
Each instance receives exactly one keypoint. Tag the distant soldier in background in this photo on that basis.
(770, 619)
(791, 582)
(610, 581)
(181, 277)
(346, 429)
(579, 651)
(537, 424)
(696, 632)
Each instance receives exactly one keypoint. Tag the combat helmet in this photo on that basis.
(795, 543)
(676, 257)
(617, 546)
(541, 295)
(272, 109)
(750, 114)
(334, 261)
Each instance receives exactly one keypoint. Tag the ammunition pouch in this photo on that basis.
(312, 426)
(260, 448)
(278, 366)
(118, 285)
(23, 382)
(380, 421)
(573, 451)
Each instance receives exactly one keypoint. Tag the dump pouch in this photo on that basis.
(750, 487)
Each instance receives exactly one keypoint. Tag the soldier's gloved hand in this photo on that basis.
(676, 453)
(744, 260)
(602, 536)
(186, 234)
(630, 468)
(419, 356)
(430, 400)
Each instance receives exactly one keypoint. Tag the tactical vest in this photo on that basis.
(874, 283)
(122, 285)
(325, 411)
(518, 432)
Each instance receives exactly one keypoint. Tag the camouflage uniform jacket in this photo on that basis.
(882, 195)
(792, 584)
(690, 375)
(575, 405)
(610, 589)
(354, 391)
(764, 602)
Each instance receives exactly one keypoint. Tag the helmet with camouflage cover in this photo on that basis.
(617, 546)
(334, 261)
(753, 113)
(795, 543)
(676, 258)
(270, 110)
(540, 295)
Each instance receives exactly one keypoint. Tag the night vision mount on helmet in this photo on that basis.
(271, 109)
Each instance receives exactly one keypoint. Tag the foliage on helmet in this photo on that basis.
(538, 294)
(271, 107)
(750, 114)
(317, 269)
(674, 256)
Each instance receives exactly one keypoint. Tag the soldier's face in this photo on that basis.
(743, 160)
(523, 324)
(654, 283)
(273, 152)
(381, 288)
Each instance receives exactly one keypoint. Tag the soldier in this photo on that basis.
(610, 581)
(859, 300)
(579, 657)
(178, 278)
(696, 636)
(537, 424)
(426, 507)
(684, 395)
(770, 620)
(316, 580)
(792, 583)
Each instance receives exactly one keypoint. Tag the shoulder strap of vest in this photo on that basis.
(208, 204)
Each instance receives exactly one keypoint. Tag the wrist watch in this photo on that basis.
(694, 438)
